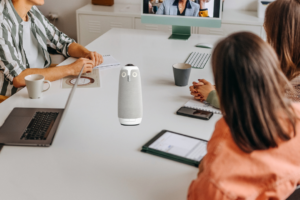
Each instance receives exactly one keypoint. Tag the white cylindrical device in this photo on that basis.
(130, 105)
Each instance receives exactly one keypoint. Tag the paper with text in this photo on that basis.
(108, 62)
(181, 146)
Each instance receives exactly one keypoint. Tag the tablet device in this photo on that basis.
(177, 147)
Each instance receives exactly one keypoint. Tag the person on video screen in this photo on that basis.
(179, 7)
(203, 10)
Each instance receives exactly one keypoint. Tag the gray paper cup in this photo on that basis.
(182, 73)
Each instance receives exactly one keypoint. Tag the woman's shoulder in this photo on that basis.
(221, 129)
(221, 138)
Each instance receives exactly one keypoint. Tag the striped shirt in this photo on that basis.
(13, 59)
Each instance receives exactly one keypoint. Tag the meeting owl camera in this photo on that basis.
(130, 104)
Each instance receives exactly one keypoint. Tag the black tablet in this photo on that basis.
(177, 147)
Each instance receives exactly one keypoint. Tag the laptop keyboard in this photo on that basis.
(40, 126)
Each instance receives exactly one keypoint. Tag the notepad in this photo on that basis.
(108, 62)
(201, 106)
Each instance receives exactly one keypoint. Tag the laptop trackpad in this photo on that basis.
(15, 125)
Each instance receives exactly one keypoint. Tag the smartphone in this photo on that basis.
(194, 113)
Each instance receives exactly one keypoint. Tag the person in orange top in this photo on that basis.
(254, 152)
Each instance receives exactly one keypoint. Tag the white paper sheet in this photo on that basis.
(108, 62)
(181, 146)
(201, 106)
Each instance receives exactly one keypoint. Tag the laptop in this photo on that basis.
(34, 126)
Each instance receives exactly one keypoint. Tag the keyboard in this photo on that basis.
(198, 60)
(40, 126)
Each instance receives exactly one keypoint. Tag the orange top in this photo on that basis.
(229, 173)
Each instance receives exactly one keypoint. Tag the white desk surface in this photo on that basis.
(93, 156)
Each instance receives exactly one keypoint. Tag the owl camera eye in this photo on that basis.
(123, 74)
(134, 74)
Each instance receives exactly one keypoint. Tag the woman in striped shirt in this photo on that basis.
(25, 36)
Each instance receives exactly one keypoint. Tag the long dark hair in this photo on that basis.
(251, 89)
(282, 25)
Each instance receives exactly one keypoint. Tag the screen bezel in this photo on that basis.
(211, 22)
(165, 131)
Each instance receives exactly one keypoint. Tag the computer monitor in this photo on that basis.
(182, 14)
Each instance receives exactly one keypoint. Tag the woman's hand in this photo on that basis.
(201, 90)
(95, 57)
(194, 90)
(78, 64)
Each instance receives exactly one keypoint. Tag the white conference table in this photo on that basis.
(93, 156)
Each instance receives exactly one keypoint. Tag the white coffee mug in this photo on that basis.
(35, 83)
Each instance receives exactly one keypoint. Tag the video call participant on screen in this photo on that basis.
(283, 35)
(203, 10)
(179, 7)
(254, 152)
(25, 35)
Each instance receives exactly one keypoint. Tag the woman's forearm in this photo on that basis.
(77, 51)
(202, 4)
(50, 74)
(213, 99)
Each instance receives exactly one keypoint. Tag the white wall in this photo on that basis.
(240, 5)
(66, 9)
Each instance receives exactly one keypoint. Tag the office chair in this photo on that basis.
(3, 98)
(295, 195)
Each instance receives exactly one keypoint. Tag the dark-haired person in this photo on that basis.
(283, 35)
(254, 152)
(25, 35)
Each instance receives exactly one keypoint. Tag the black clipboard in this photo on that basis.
(147, 149)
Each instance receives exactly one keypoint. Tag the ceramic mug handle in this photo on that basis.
(45, 81)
